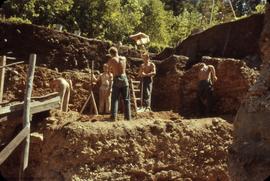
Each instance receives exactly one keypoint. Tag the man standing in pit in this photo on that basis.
(120, 84)
(63, 87)
(207, 76)
(105, 79)
(146, 72)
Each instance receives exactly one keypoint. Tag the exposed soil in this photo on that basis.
(249, 153)
(153, 146)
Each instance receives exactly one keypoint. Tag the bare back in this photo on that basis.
(118, 65)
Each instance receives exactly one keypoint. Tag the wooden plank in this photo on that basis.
(2, 76)
(36, 106)
(12, 64)
(53, 94)
(135, 82)
(26, 113)
(11, 58)
(4, 102)
(11, 108)
(13, 144)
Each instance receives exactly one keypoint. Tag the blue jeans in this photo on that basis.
(205, 97)
(120, 87)
(147, 90)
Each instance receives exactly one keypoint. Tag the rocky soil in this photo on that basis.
(153, 146)
(234, 80)
(249, 154)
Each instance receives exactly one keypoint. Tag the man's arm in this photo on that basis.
(140, 73)
(70, 84)
(213, 73)
(94, 78)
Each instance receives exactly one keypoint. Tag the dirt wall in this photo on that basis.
(249, 154)
(154, 146)
(234, 80)
(238, 39)
(166, 86)
(55, 49)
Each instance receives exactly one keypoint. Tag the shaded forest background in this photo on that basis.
(167, 22)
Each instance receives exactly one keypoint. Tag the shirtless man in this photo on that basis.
(146, 72)
(120, 83)
(206, 76)
(106, 79)
(62, 86)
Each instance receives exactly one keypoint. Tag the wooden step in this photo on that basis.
(135, 82)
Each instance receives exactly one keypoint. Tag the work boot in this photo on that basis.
(147, 109)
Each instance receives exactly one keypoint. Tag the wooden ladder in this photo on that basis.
(135, 90)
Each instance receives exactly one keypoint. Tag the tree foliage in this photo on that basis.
(166, 21)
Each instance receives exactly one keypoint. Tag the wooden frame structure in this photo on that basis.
(27, 108)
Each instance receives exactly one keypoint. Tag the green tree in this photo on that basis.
(156, 22)
(38, 11)
(121, 18)
(24, 9)
(86, 15)
(52, 11)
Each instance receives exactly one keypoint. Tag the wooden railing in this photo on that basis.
(24, 134)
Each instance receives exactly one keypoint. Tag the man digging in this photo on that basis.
(207, 76)
(62, 86)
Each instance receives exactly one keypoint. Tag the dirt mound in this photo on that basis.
(238, 39)
(249, 154)
(55, 49)
(234, 80)
(159, 146)
(15, 84)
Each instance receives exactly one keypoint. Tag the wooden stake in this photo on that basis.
(2, 76)
(231, 6)
(91, 95)
(93, 101)
(12, 64)
(212, 11)
(26, 113)
(13, 144)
